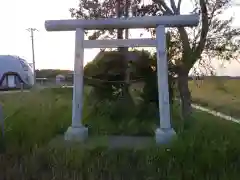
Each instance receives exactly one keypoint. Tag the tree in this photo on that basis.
(94, 9)
(106, 75)
(51, 73)
(213, 38)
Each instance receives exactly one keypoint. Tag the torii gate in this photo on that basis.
(77, 131)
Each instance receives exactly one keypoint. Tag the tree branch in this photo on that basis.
(173, 5)
(176, 9)
(179, 6)
(204, 29)
(165, 6)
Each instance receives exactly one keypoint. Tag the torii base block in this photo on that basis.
(164, 136)
(78, 134)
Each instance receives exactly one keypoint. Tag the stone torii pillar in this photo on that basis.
(165, 132)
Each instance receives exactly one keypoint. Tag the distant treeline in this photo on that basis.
(52, 73)
(211, 77)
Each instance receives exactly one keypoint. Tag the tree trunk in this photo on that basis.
(125, 51)
(124, 11)
(185, 95)
(119, 31)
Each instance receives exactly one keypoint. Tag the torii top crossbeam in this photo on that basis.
(116, 23)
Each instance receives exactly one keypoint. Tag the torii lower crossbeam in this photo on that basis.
(165, 132)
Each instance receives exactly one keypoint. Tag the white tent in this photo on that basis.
(15, 73)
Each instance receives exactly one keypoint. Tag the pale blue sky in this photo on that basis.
(52, 49)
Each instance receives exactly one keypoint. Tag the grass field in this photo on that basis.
(208, 148)
(216, 93)
(220, 94)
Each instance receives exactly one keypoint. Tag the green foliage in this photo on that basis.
(118, 118)
(179, 161)
(150, 90)
(106, 73)
(36, 110)
(209, 149)
(108, 68)
(51, 73)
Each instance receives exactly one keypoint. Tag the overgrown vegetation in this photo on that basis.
(208, 148)
(106, 75)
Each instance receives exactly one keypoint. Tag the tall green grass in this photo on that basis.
(207, 148)
(34, 118)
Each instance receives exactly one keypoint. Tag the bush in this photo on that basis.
(118, 118)
(108, 68)
(104, 74)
